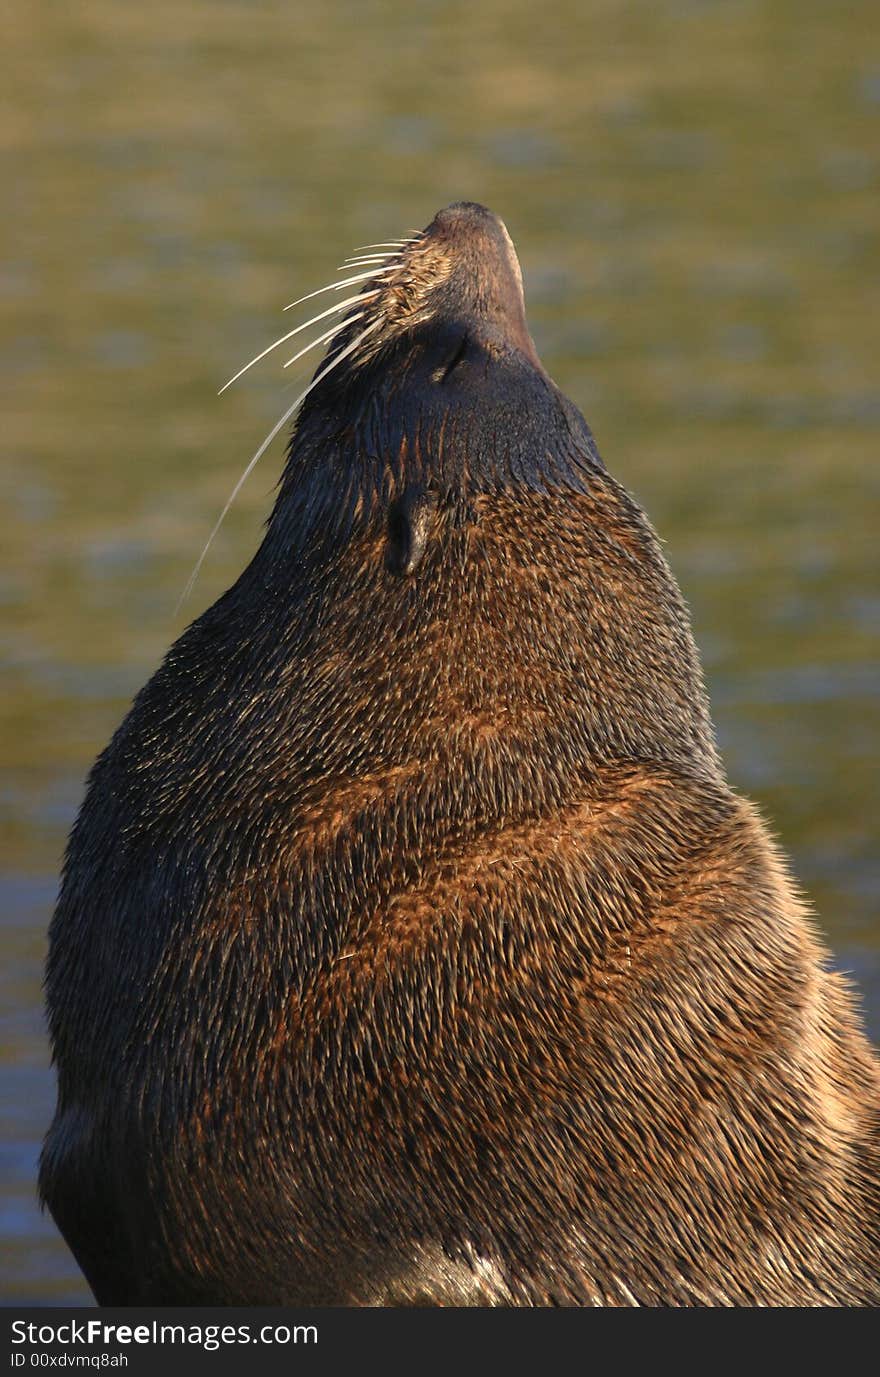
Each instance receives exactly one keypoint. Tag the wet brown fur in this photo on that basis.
(412, 947)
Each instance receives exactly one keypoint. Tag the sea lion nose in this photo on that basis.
(466, 228)
(467, 215)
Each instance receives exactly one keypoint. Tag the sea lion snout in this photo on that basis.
(461, 277)
(482, 283)
(472, 232)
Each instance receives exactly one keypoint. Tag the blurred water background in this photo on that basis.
(693, 190)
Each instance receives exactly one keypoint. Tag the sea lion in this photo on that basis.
(412, 947)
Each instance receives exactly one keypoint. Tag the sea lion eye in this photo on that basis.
(441, 374)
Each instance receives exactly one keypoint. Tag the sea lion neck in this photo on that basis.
(436, 381)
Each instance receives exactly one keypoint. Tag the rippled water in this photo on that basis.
(693, 191)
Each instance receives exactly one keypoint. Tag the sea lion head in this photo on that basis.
(434, 378)
(460, 276)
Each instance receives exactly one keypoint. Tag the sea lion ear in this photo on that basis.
(409, 524)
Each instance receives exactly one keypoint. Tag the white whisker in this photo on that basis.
(343, 353)
(327, 335)
(369, 258)
(340, 306)
(349, 348)
(337, 286)
(383, 244)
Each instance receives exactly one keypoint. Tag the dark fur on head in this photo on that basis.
(412, 948)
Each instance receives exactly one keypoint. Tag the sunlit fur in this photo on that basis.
(412, 947)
